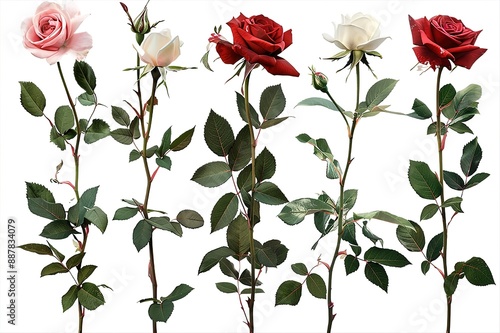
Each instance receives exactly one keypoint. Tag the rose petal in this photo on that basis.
(328, 37)
(435, 48)
(467, 59)
(281, 67)
(80, 44)
(372, 44)
(425, 56)
(368, 24)
(226, 52)
(287, 38)
(418, 26)
(56, 56)
(351, 36)
(169, 53)
(253, 57)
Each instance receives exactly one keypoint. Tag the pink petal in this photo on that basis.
(80, 44)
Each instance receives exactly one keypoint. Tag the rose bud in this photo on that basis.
(141, 22)
(319, 80)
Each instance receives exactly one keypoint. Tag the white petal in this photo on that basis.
(328, 37)
(370, 25)
(351, 36)
(169, 53)
(372, 45)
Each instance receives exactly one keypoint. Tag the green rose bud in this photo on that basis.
(141, 22)
(319, 80)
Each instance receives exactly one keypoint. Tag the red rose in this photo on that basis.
(259, 40)
(444, 38)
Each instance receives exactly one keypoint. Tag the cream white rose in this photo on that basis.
(358, 32)
(159, 49)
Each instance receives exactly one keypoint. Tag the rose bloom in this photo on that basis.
(359, 32)
(259, 40)
(50, 33)
(159, 49)
(443, 39)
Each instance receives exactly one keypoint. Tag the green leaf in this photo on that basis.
(178, 293)
(87, 201)
(248, 291)
(134, 128)
(190, 219)
(58, 229)
(455, 203)
(32, 99)
(84, 76)
(161, 312)
(267, 257)
(238, 236)
(164, 162)
(432, 129)
(421, 110)
(464, 115)
(272, 122)
(349, 234)
(125, 213)
(424, 181)
(246, 278)
(97, 217)
(182, 140)
(86, 99)
(412, 240)
(45, 209)
(227, 268)
(375, 273)
(425, 266)
(434, 247)
(34, 190)
(295, 211)
(90, 296)
(383, 216)
(41, 249)
(453, 180)
(316, 285)
(166, 140)
(379, 91)
(244, 180)
(141, 234)
(446, 95)
(224, 211)
(318, 101)
(300, 268)
(123, 136)
(289, 293)
(98, 130)
(120, 116)
(57, 139)
(429, 211)
(356, 249)
(386, 257)
(270, 194)
(58, 254)
(272, 102)
(69, 298)
(219, 135)
(53, 268)
(254, 117)
(265, 165)
(467, 97)
(477, 272)
(64, 119)
(240, 153)
(460, 128)
(85, 272)
(226, 287)
(75, 260)
(212, 174)
(213, 257)
(471, 156)
(351, 264)
(476, 179)
(134, 154)
(163, 223)
(370, 235)
(451, 283)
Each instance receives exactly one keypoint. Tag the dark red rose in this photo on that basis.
(444, 38)
(259, 40)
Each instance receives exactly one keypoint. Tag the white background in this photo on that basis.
(382, 148)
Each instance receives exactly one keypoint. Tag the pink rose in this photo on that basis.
(50, 33)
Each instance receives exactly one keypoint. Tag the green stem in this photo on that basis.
(146, 129)
(76, 159)
(251, 210)
(444, 253)
(340, 203)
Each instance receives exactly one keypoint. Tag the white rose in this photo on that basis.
(159, 49)
(359, 32)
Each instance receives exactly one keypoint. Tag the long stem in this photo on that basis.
(340, 204)
(251, 210)
(76, 158)
(444, 254)
(146, 129)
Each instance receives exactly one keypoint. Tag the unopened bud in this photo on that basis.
(319, 80)
(141, 23)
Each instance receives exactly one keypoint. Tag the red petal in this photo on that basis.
(466, 59)
(282, 67)
(252, 57)
(226, 53)
(418, 27)
(287, 38)
(425, 56)
(438, 50)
